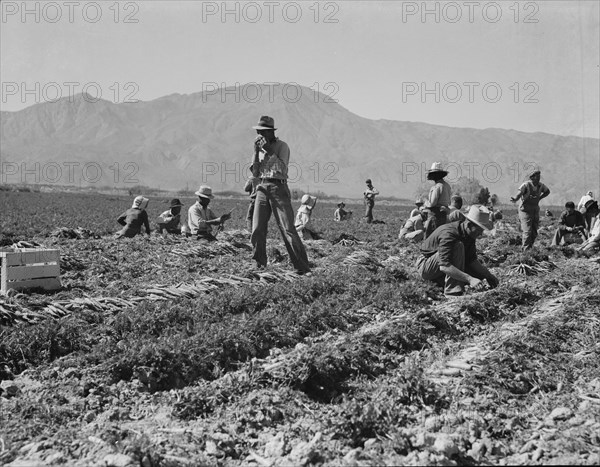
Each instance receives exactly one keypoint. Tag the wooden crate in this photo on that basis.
(25, 268)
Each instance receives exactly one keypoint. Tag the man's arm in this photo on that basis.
(481, 271)
(545, 192)
(434, 195)
(121, 218)
(459, 275)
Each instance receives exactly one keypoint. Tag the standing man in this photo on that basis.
(449, 255)
(369, 195)
(530, 193)
(270, 168)
(438, 200)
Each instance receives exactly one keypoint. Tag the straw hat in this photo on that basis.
(205, 192)
(436, 168)
(480, 215)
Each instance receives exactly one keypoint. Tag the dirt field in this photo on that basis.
(167, 352)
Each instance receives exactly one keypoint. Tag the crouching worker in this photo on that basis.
(341, 214)
(571, 224)
(414, 228)
(593, 241)
(169, 221)
(201, 218)
(303, 225)
(449, 255)
(134, 218)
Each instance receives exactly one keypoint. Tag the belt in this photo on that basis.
(273, 180)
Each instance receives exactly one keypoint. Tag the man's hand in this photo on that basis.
(225, 217)
(259, 143)
(513, 199)
(475, 284)
(492, 281)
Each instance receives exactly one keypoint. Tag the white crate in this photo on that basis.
(25, 268)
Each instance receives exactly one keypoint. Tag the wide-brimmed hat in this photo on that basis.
(205, 192)
(175, 203)
(341, 205)
(436, 168)
(480, 215)
(265, 123)
(419, 202)
(590, 205)
(368, 180)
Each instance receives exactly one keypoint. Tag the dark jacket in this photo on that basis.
(133, 219)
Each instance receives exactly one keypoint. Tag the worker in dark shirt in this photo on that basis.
(449, 254)
(571, 222)
(134, 219)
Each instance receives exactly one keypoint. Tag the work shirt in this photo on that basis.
(133, 219)
(339, 214)
(531, 194)
(575, 219)
(443, 239)
(370, 194)
(440, 195)
(169, 220)
(456, 215)
(303, 218)
(273, 160)
(412, 225)
(197, 217)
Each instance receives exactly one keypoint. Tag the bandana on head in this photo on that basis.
(140, 203)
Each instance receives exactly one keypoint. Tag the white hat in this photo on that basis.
(205, 192)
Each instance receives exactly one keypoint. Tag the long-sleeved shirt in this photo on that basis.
(340, 214)
(273, 160)
(443, 239)
(133, 219)
(412, 224)
(574, 219)
(303, 218)
(455, 215)
(169, 220)
(439, 195)
(197, 217)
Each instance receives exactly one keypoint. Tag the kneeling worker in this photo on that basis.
(201, 218)
(449, 254)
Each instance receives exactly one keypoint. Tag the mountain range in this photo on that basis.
(180, 141)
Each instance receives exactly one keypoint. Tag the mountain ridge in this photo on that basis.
(205, 138)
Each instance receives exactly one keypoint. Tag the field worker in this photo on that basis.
(571, 222)
(584, 199)
(341, 214)
(449, 254)
(369, 195)
(416, 211)
(250, 188)
(200, 216)
(590, 211)
(456, 204)
(303, 224)
(270, 167)
(134, 218)
(414, 227)
(438, 200)
(593, 241)
(530, 193)
(170, 220)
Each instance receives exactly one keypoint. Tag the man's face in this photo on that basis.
(267, 134)
(535, 178)
(570, 210)
(176, 210)
(204, 201)
(474, 230)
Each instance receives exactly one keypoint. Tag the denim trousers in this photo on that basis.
(275, 198)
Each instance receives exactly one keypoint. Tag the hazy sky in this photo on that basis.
(530, 66)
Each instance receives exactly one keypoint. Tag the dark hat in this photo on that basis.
(175, 202)
(590, 205)
(341, 205)
(265, 123)
(368, 180)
